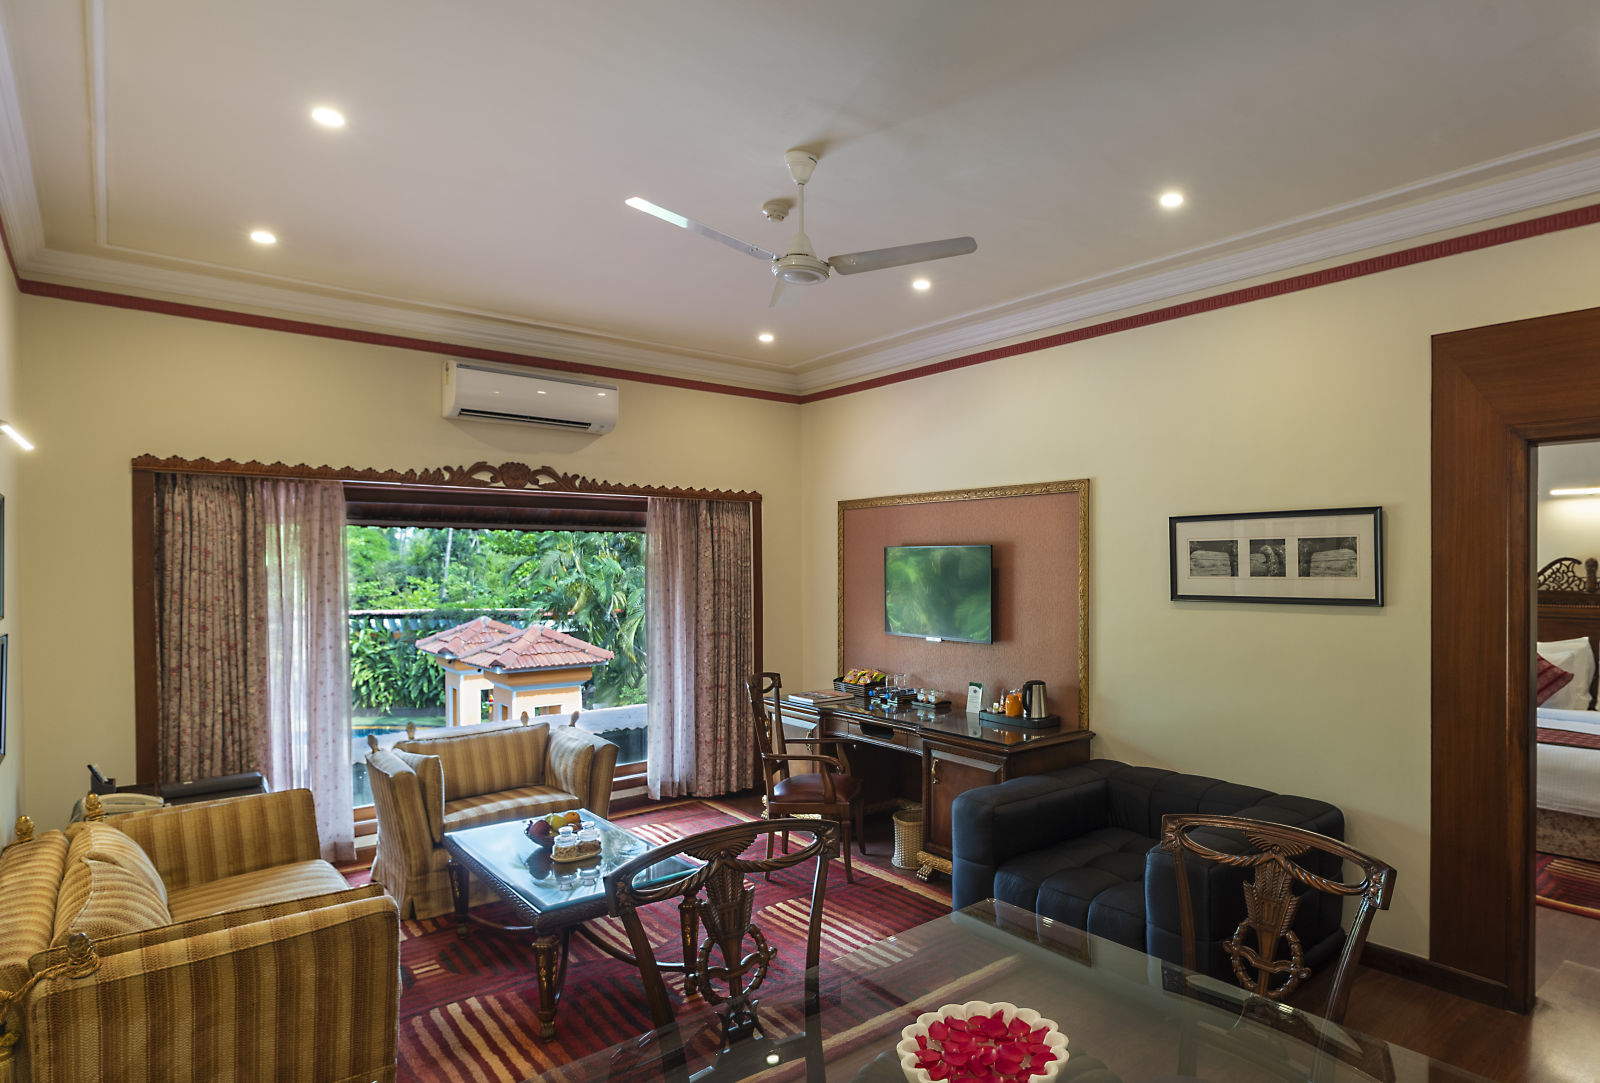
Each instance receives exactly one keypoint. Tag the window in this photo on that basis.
(519, 623)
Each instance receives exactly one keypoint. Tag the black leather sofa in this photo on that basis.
(1078, 846)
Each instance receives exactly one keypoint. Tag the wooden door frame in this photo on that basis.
(1497, 392)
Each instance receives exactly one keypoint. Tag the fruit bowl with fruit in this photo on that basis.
(543, 829)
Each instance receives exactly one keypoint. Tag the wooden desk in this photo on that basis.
(935, 757)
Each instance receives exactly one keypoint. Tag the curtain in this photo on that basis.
(701, 639)
(210, 627)
(308, 663)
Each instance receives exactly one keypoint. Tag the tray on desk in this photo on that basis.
(1048, 722)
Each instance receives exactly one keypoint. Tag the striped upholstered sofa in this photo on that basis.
(465, 777)
(196, 942)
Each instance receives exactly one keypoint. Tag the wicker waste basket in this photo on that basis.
(907, 837)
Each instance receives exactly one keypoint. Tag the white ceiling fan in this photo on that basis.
(799, 264)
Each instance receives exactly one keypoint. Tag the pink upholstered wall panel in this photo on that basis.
(1035, 540)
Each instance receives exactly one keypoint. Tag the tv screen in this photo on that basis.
(938, 592)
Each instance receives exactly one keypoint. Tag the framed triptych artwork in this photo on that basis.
(1331, 556)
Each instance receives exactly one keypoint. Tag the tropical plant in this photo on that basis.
(589, 584)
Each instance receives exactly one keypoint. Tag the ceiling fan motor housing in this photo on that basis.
(798, 267)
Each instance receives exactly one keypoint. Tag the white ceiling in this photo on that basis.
(476, 195)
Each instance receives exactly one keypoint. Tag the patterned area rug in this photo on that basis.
(1566, 883)
(469, 1005)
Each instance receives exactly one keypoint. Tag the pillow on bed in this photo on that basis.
(1552, 679)
(1577, 656)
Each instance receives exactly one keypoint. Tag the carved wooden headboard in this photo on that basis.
(1569, 600)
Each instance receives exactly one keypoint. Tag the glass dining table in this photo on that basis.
(1127, 1016)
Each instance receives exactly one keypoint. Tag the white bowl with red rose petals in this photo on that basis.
(984, 1041)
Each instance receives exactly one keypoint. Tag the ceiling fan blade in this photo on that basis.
(782, 296)
(692, 226)
(879, 258)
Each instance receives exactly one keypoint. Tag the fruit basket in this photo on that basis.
(860, 681)
(1004, 1041)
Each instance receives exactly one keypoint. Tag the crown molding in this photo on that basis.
(489, 331)
(1147, 284)
(19, 201)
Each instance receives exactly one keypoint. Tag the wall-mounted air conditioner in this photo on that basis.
(494, 394)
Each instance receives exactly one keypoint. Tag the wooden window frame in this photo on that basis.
(510, 495)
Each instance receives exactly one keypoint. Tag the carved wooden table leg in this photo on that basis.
(550, 961)
(458, 895)
(691, 950)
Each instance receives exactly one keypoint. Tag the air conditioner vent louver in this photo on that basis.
(484, 393)
(528, 419)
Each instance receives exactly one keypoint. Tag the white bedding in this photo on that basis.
(1569, 778)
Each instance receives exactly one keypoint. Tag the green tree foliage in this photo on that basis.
(588, 584)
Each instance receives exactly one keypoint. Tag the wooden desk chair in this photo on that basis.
(828, 790)
(725, 913)
(1265, 952)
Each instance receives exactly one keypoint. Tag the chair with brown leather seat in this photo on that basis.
(828, 789)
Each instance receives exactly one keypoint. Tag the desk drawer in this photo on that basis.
(879, 734)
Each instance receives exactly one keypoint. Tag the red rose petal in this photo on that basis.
(1018, 1028)
(937, 1030)
(938, 1072)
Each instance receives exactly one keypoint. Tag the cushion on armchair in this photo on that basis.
(430, 777)
(570, 762)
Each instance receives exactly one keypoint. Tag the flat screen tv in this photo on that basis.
(939, 592)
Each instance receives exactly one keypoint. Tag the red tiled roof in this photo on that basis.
(490, 644)
(466, 638)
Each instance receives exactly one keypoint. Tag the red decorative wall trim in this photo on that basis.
(1471, 242)
(379, 338)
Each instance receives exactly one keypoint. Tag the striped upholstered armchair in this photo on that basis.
(469, 776)
(202, 941)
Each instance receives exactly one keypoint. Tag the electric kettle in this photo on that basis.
(1033, 699)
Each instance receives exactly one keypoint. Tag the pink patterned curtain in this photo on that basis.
(308, 662)
(251, 624)
(701, 631)
(210, 627)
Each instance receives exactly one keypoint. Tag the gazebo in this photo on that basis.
(529, 671)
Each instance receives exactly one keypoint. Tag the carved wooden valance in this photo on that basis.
(1569, 581)
(480, 475)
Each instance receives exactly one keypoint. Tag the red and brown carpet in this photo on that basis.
(1566, 883)
(469, 1005)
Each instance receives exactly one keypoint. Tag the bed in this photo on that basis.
(1567, 725)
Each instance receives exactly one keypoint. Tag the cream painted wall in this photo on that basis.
(1314, 399)
(103, 385)
(11, 780)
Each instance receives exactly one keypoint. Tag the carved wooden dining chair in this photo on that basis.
(827, 789)
(1265, 952)
(718, 898)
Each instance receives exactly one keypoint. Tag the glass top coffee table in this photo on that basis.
(556, 898)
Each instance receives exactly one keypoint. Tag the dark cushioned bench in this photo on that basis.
(1078, 846)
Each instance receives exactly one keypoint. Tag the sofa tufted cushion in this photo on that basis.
(486, 759)
(114, 900)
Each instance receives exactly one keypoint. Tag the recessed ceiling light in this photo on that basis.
(602, 394)
(765, 336)
(262, 236)
(328, 118)
(921, 284)
(16, 437)
(1170, 200)
(1575, 492)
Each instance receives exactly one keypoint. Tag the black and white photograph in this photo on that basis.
(1266, 558)
(1328, 556)
(1213, 558)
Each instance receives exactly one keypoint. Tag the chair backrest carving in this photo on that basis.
(720, 898)
(1274, 965)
